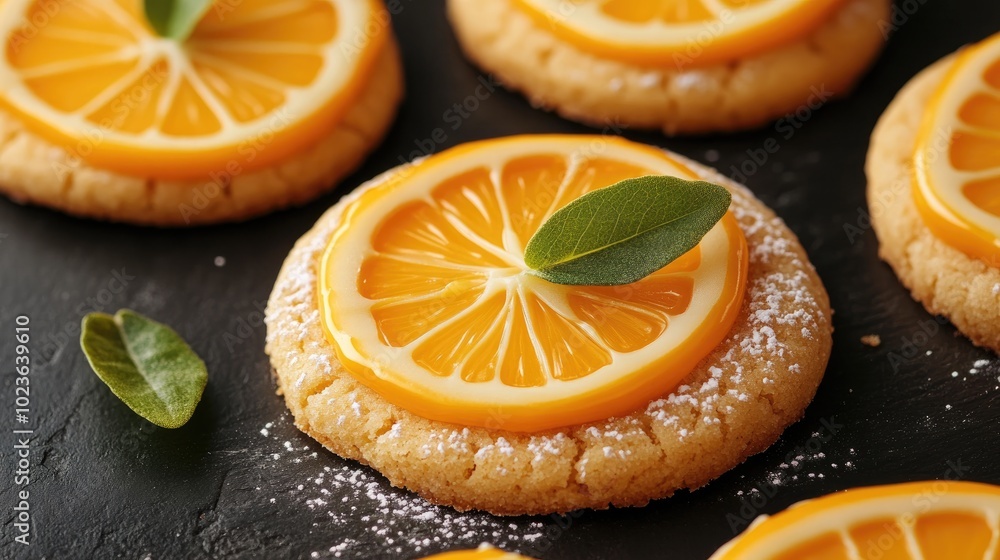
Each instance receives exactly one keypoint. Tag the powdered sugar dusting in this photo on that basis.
(981, 365)
(547, 445)
(349, 499)
(777, 300)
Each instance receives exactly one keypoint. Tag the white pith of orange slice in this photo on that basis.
(679, 33)
(957, 156)
(425, 296)
(255, 83)
(938, 520)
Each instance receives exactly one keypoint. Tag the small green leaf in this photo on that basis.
(175, 19)
(146, 364)
(623, 233)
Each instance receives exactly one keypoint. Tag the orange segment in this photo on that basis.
(134, 109)
(679, 33)
(826, 547)
(426, 297)
(880, 540)
(263, 71)
(954, 534)
(984, 194)
(939, 520)
(957, 155)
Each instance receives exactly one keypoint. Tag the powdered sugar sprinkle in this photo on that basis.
(377, 516)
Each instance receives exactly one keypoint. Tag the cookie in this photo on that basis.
(734, 403)
(677, 95)
(946, 280)
(931, 519)
(37, 169)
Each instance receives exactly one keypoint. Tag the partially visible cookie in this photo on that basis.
(36, 168)
(891, 521)
(677, 95)
(735, 403)
(484, 552)
(948, 281)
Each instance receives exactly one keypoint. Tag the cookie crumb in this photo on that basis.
(872, 340)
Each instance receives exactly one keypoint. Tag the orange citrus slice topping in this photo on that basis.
(481, 553)
(942, 520)
(957, 157)
(679, 33)
(427, 300)
(256, 82)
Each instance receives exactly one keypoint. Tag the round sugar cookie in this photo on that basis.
(297, 138)
(946, 280)
(890, 521)
(733, 404)
(680, 93)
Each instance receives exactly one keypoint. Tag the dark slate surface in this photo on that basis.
(106, 484)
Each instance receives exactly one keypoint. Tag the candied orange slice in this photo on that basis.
(957, 156)
(481, 553)
(938, 520)
(256, 82)
(679, 33)
(427, 300)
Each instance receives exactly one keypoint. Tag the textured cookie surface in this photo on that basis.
(735, 403)
(676, 99)
(34, 171)
(947, 281)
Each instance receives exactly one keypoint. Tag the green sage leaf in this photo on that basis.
(175, 19)
(145, 364)
(622, 233)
